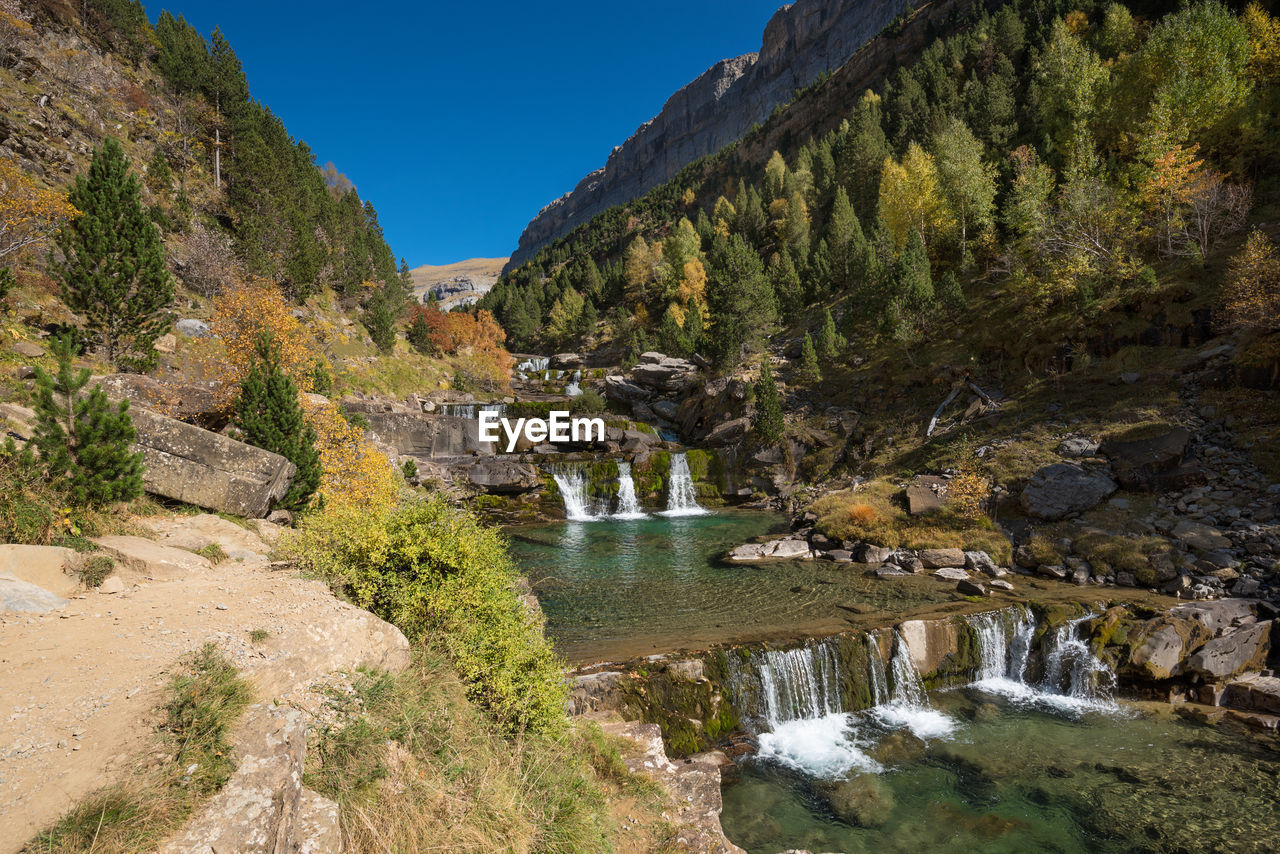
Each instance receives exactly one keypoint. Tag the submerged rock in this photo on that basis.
(863, 800)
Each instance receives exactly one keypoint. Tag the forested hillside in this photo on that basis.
(1043, 170)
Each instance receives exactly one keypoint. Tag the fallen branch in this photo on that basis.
(933, 422)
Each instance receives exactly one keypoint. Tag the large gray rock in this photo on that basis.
(1243, 648)
(620, 389)
(926, 494)
(49, 567)
(426, 435)
(187, 463)
(1254, 692)
(1061, 489)
(938, 558)
(22, 596)
(200, 403)
(728, 432)
(505, 477)
(666, 375)
(1140, 463)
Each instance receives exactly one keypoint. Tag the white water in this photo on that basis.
(908, 705)
(682, 496)
(1075, 680)
(572, 484)
(628, 503)
(574, 387)
(878, 674)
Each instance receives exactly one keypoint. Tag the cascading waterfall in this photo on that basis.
(877, 673)
(472, 410)
(572, 484)
(908, 704)
(682, 496)
(1075, 680)
(628, 503)
(574, 387)
(798, 713)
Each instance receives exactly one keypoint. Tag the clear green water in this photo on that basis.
(618, 589)
(1013, 779)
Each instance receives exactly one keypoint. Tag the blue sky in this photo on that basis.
(460, 120)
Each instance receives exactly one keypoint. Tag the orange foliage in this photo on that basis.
(247, 309)
(28, 214)
(862, 514)
(1251, 298)
(476, 337)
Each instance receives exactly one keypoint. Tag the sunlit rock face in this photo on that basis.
(801, 41)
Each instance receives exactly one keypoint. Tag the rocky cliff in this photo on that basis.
(801, 41)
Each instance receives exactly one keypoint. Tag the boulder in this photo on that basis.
(22, 596)
(951, 573)
(186, 463)
(970, 588)
(1058, 490)
(148, 558)
(925, 494)
(620, 389)
(503, 477)
(424, 435)
(788, 549)
(981, 562)
(595, 692)
(999, 584)
(1161, 645)
(1200, 537)
(1243, 648)
(193, 328)
(195, 533)
(1254, 692)
(1215, 616)
(728, 432)
(200, 403)
(1138, 463)
(667, 375)
(1078, 447)
(867, 553)
(565, 361)
(27, 349)
(667, 409)
(49, 567)
(938, 558)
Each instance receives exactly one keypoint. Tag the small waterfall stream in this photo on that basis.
(628, 503)
(572, 484)
(682, 495)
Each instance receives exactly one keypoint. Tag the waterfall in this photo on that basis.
(628, 503)
(799, 684)
(1071, 668)
(572, 484)
(682, 496)
(877, 673)
(1075, 680)
(574, 387)
(908, 704)
(472, 410)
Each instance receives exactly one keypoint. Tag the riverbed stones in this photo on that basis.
(785, 549)
(1056, 491)
(980, 561)
(970, 588)
(1001, 584)
(951, 573)
(938, 558)
(1201, 537)
(867, 553)
(862, 800)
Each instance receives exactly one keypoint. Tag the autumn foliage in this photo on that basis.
(250, 308)
(354, 472)
(28, 214)
(476, 337)
(1251, 298)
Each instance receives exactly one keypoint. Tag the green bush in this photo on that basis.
(435, 572)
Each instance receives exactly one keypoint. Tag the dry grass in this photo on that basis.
(872, 513)
(205, 699)
(415, 767)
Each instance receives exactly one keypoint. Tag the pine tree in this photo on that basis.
(113, 272)
(270, 417)
(419, 334)
(808, 372)
(381, 314)
(786, 284)
(84, 442)
(767, 421)
(830, 342)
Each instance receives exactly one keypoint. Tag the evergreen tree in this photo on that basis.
(846, 243)
(113, 272)
(670, 333)
(914, 279)
(381, 314)
(786, 284)
(84, 442)
(742, 303)
(693, 328)
(419, 334)
(830, 342)
(270, 417)
(808, 372)
(767, 421)
(159, 175)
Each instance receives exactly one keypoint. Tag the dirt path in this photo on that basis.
(79, 685)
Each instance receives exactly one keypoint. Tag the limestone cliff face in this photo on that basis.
(801, 41)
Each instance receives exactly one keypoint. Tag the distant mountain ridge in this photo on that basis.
(801, 41)
(459, 283)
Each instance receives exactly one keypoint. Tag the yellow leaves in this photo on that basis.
(1251, 298)
(911, 199)
(354, 472)
(687, 198)
(28, 213)
(247, 309)
(1264, 44)
(693, 283)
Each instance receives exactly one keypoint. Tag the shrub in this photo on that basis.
(590, 402)
(352, 470)
(96, 570)
(434, 571)
(269, 417)
(244, 312)
(861, 514)
(85, 443)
